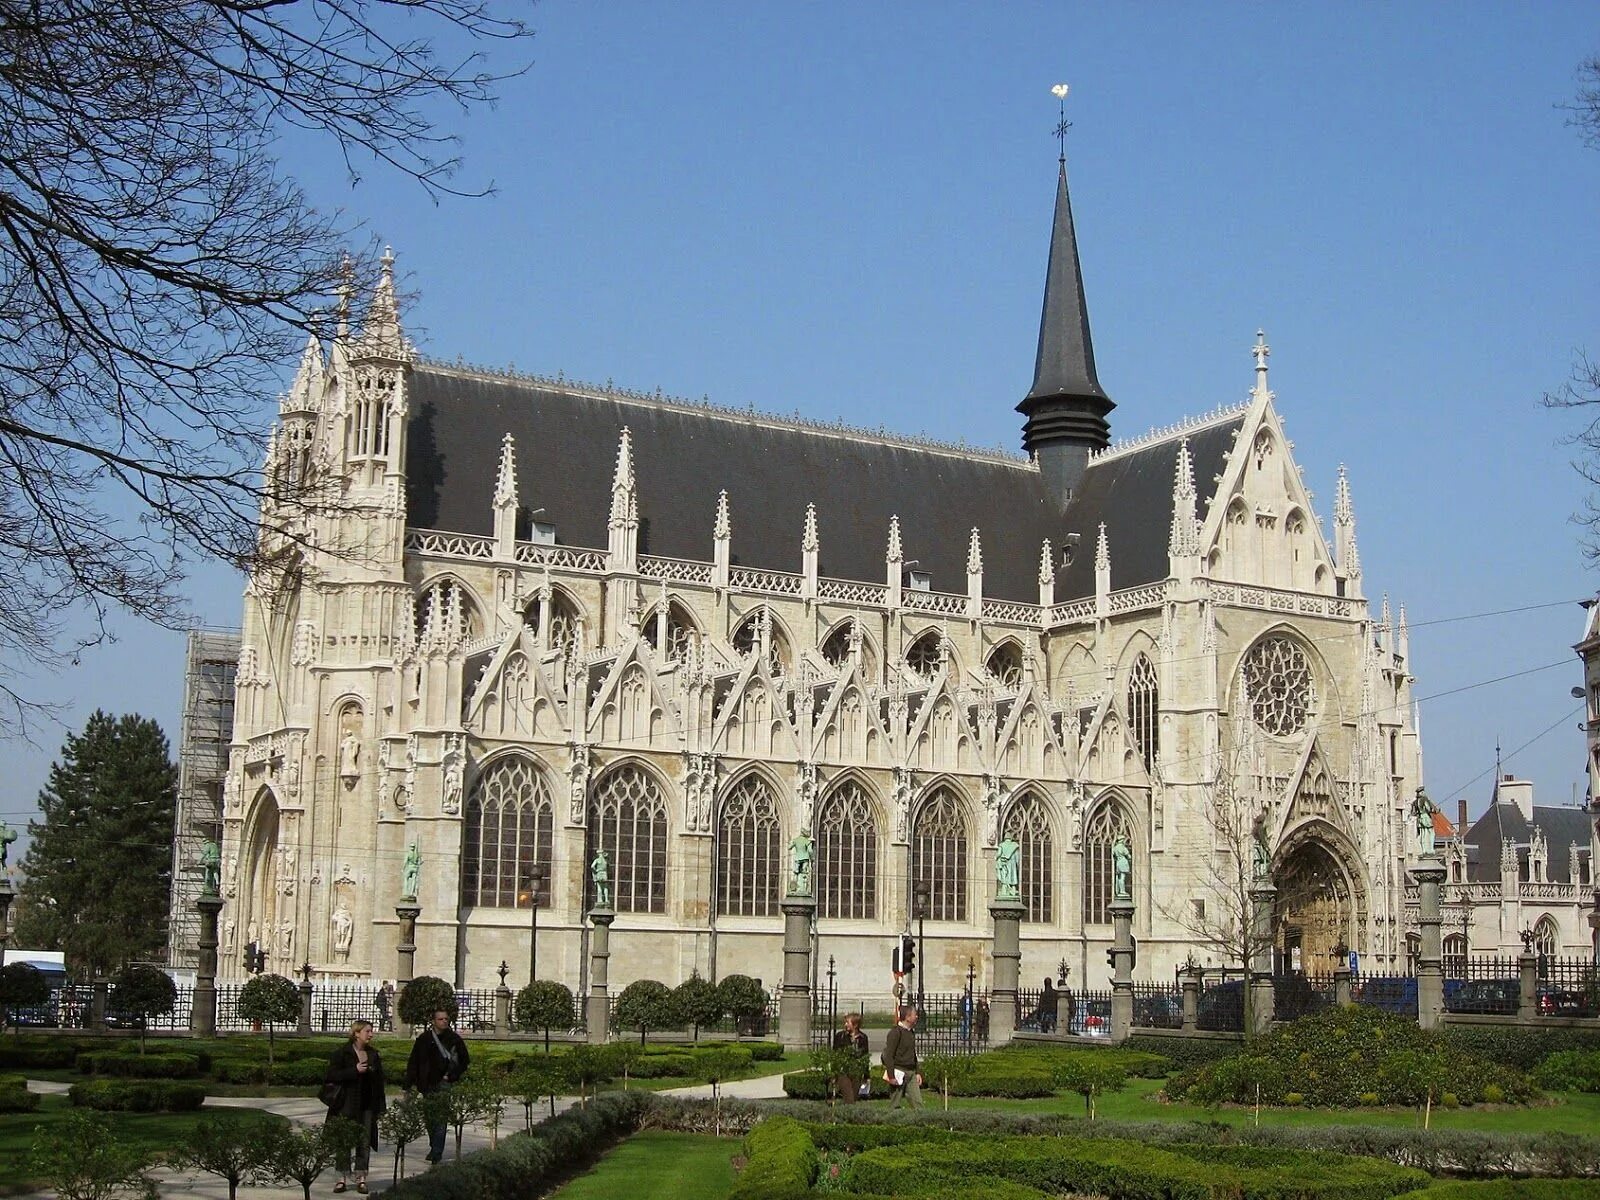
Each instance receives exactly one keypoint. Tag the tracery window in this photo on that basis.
(836, 649)
(628, 820)
(563, 620)
(1545, 938)
(847, 855)
(1108, 822)
(508, 832)
(925, 655)
(369, 425)
(1144, 703)
(436, 607)
(747, 639)
(680, 629)
(749, 851)
(1028, 825)
(1277, 680)
(1005, 664)
(939, 856)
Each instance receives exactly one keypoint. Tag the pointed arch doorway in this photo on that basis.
(1317, 909)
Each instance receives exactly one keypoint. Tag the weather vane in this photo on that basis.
(1060, 93)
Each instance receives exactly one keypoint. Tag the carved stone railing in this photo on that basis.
(566, 558)
(448, 545)
(1550, 891)
(771, 583)
(943, 603)
(1279, 600)
(675, 570)
(875, 595)
(1011, 612)
(1072, 612)
(1131, 599)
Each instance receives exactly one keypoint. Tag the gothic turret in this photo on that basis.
(1066, 407)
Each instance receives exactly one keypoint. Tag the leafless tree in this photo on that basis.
(1582, 388)
(158, 268)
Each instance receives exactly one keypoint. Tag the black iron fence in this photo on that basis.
(953, 1022)
(1157, 1006)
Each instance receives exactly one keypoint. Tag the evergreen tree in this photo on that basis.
(99, 869)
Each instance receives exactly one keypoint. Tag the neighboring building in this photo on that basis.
(1520, 866)
(525, 619)
(211, 659)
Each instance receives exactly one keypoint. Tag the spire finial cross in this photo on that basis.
(1060, 93)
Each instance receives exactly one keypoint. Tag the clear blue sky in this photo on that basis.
(844, 210)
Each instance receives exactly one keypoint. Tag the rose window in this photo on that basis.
(1277, 679)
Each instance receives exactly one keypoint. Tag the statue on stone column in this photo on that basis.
(344, 928)
(800, 854)
(1260, 856)
(7, 836)
(411, 874)
(600, 874)
(1423, 810)
(1121, 869)
(210, 868)
(1007, 869)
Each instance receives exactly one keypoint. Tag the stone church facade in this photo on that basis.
(512, 620)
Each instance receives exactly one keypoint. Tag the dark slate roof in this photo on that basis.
(1064, 365)
(1131, 492)
(1562, 827)
(566, 448)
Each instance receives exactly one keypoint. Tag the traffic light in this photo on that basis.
(903, 959)
(1111, 958)
(255, 959)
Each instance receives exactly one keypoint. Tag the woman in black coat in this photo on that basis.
(357, 1069)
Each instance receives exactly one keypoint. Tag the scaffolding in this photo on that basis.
(211, 661)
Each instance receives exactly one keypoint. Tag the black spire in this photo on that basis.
(1066, 407)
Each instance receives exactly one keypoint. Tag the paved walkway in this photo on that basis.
(307, 1110)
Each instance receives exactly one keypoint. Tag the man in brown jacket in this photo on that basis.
(900, 1061)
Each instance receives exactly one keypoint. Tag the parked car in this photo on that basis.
(1222, 1007)
(1092, 1018)
(1391, 993)
(1160, 1011)
(1482, 996)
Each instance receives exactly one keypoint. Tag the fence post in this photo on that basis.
(1429, 873)
(97, 1006)
(502, 1009)
(1121, 970)
(598, 1007)
(1528, 985)
(1263, 999)
(1191, 999)
(1007, 955)
(794, 1006)
(305, 1005)
(203, 1012)
(1341, 985)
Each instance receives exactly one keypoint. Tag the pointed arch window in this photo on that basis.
(847, 855)
(680, 631)
(508, 831)
(1004, 665)
(926, 655)
(836, 649)
(563, 620)
(628, 820)
(1144, 706)
(749, 851)
(747, 639)
(1105, 825)
(436, 613)
(1546, 938)
(1028, 824)
(939, 855)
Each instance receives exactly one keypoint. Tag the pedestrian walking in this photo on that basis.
(852, 1081)
(438, 1058)
(900, 1067)
(354, 1089)
(383, 1001)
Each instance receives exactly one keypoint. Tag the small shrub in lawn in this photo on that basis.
(15, 1096)
(166, 1065)
(1523, 1047)
(814, 1085)
(38, 1056)
(137, 1095)
(81, 1159)
(780, 1163)
(658, 1066)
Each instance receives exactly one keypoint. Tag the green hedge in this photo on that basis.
(1129, 1170)
(1511, 1189)
(15, 1096)
(125, 1065)
(1142, 1063)
(529, 1164)
(1181, 1051)
(1569, 1071)
(986, 1077)
(1521, 1046)
(813, 1085)
(662, 1066)
(138, 1095)
(41, 1057)
(780, 1162)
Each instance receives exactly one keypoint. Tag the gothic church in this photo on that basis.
(522, 619)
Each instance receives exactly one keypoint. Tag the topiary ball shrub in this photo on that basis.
(544, 1005)
(647, 1004)
(745, 1001)
(424, 996)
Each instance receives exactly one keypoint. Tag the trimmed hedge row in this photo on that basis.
(1569, 1071)
(1129, 1170)
(1142, 1063)
(529, 1164)
(1519, 1046)
(137, 1095)
(1511, 1189)
(37, 1057)
(780, 1162)
(15, 1096)
(124, 1065)
(1183, 1052)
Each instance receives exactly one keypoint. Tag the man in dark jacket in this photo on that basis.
(438, 1059)
(900, 1067)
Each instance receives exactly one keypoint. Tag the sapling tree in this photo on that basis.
(234, 1151)
(584, 1066)
(81, 1159)
(403, 1122)
(647, 1004)
(301, 1153)
(943, 1070)
(271, 1000)
(699, 1002)
(145, 992)
(542, 1004)
(717, 1066)
(537, 1076)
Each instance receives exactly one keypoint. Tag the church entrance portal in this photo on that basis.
(1314, 911)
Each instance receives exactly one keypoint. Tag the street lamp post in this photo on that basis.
(535, 889)
(833, 998)
(920, 898)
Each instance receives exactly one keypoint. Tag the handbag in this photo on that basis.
(332, 1094)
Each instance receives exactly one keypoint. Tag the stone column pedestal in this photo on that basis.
(1341, 985)
(598, 1006)
(97, 1004)
(1191, 985)
(203, 1014)
(794, 1004)
(1429, 875)
(1528, 985)
(1121, 970)
(7, 895)
(502, 1010)
(1262, 1001)
(406, 949)
(305, 1006)
(1007, 955)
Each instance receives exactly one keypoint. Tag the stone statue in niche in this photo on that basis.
(344, 928)
(349, 759)
(411, 872)
(227, 936)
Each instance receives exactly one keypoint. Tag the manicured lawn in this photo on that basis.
(158, 1132)
(661, 1166)
(1572, 1112)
